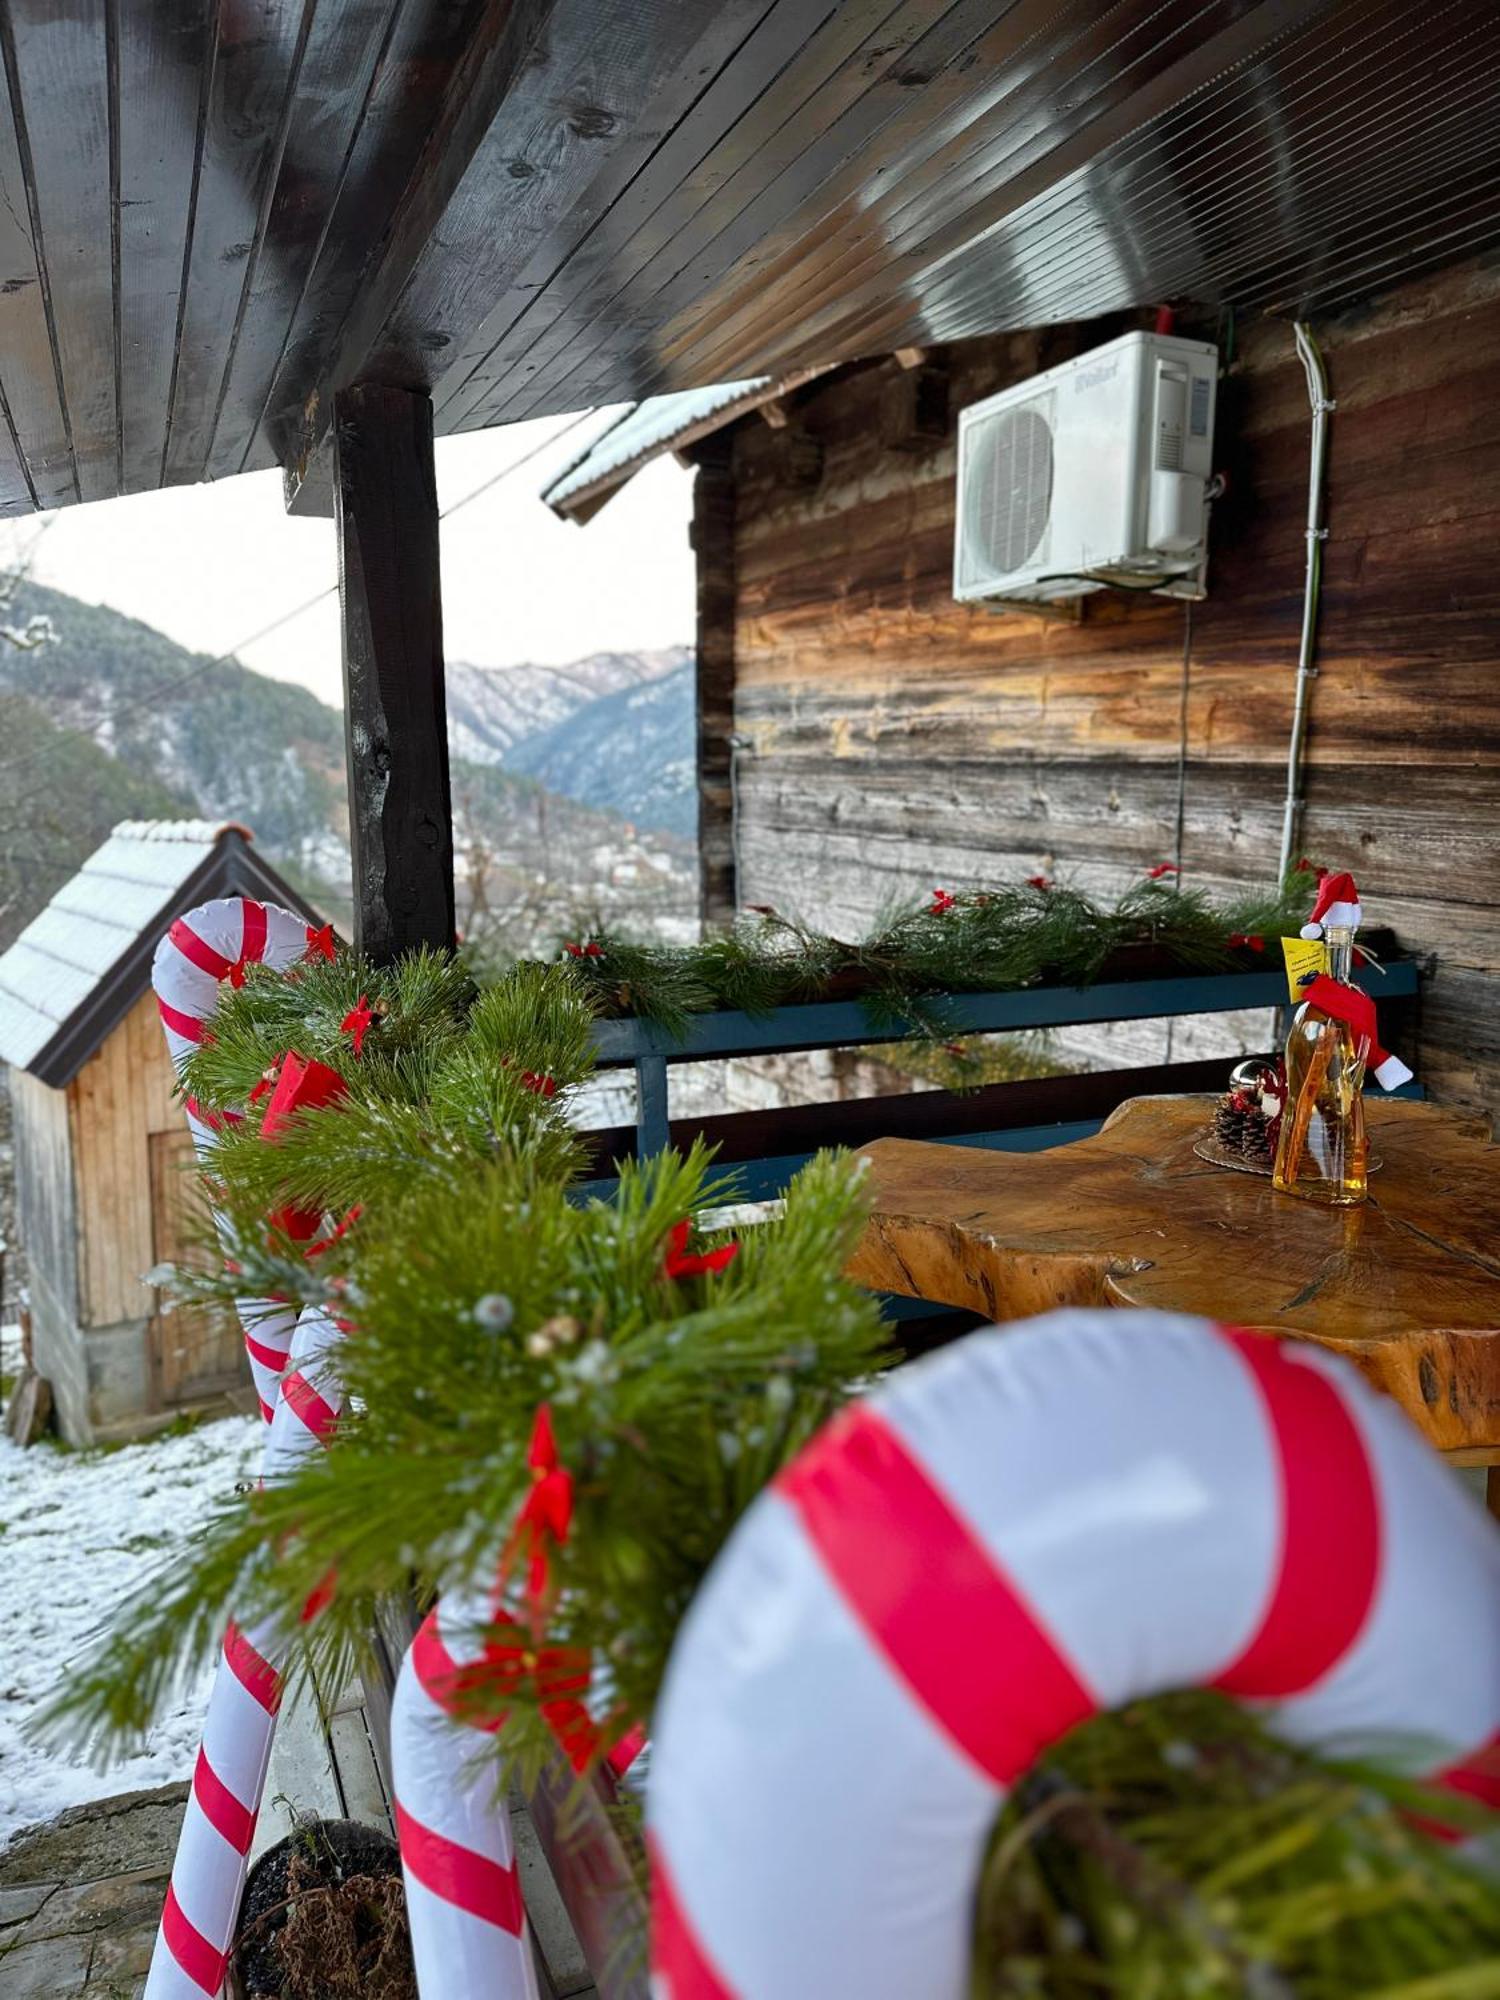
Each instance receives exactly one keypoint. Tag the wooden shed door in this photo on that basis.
(193, 1352)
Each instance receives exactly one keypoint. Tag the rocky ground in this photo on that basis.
(80, 1898)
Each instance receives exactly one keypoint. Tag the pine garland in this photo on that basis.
(983, 940)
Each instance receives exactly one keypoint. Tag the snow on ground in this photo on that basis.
(79, 1531)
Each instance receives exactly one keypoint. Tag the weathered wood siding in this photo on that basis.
(118, 1099)
(900, 740)
(46, 1204)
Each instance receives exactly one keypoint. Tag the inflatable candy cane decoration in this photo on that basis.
(1031, 1527)
(296, 1375)
(468, 1926)
(463, 1897)
(203, 949)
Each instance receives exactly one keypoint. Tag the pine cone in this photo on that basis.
(1257, 1146)
(1231, 1115)
(1240, 1127)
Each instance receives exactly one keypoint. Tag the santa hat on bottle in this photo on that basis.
(1337, 907)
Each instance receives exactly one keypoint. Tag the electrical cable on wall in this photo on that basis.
(1322, 408)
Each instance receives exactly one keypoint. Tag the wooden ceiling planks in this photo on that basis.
(817, 68)
(344, 48)
(829, 207)
(251, 79)
(1200, 193)
(940, 208)
(63, 109)
(415, 75)
(605, 97)
(522, 329)
(216, 213)
(606, 90)
(31, 379)
(160, 69)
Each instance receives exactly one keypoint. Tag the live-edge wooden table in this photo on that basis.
(1407, 1285)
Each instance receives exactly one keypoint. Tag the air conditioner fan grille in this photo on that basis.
(1007, 496)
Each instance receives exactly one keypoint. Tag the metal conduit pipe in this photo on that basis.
(1317, 534)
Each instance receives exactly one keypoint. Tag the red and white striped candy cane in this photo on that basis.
(463, 1895)
(457, 1851)
(211, 944)
(1035, 1525)
(294, 1358)
(213, 1846)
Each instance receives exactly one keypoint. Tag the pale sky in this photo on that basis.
(209, 565)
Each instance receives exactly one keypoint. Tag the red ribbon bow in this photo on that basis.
(941, 903)
(1247, 938)
(320, 943)
(590, 950)
(546, 1514)
(302, 1084)
(357, 1022)
(680, 1262)
(1162, 868)
(1039, 881)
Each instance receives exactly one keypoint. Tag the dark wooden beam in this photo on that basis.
(713, 545)
(395, 716)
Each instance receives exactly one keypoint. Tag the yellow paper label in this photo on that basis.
(1305, 959)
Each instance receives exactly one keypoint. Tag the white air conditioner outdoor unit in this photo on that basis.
(1093, 474)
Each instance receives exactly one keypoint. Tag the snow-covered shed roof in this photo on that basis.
(80, 966)
(646, 430)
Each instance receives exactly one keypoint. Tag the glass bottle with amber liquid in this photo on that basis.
(1322, 1153)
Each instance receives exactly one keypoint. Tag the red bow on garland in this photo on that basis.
(302, 1084)
(1254, 942)
(320, 943)
(941, 903)
(680, 1262)
(559, 1674)
(1162, 868)
(358, 1022)
(546, 1514)
(589, 950)
(1039, 881)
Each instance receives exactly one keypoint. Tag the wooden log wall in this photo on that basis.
(900, 740)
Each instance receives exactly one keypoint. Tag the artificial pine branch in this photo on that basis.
(977, 941)
(483, 1292)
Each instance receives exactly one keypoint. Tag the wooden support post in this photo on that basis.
(395, 716)
(713, 544)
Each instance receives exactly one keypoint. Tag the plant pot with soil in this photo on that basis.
(324, 1916)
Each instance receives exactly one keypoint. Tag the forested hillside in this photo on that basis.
(115, 720)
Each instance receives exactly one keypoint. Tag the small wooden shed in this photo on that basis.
(100, 1142)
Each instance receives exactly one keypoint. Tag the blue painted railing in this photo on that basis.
(829, 1024)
